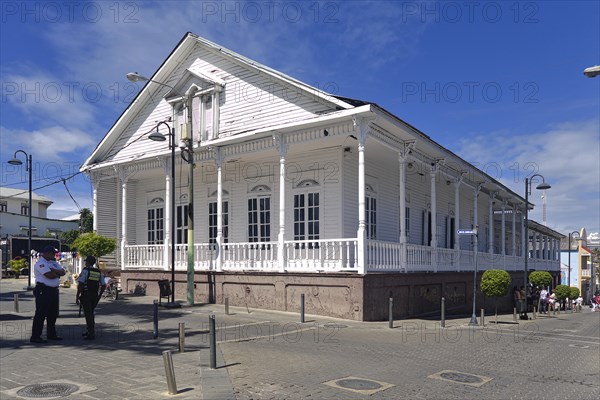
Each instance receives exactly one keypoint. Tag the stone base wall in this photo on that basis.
(347, 296)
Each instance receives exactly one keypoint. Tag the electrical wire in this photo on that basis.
(71, 196)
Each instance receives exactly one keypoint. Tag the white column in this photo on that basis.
(475, 211)
(432, 176)
(545, 248)
(95, 204)
(124, 178)
(281, 255)
(361, 234)
(491, 224)
(167, 214)
(457, 226)
(503, 231)
(534, 244)
(524, 240)
(514, 231)
(219, 238)
(402, 183)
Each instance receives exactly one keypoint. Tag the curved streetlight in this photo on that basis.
(159, 137)
(571, 235)
(592, 72)
(541, 186)
(135, 77)
(28, 168)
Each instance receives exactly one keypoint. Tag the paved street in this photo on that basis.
(270, 355)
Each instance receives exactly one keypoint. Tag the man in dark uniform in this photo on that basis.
(47, 278)
(90, 287)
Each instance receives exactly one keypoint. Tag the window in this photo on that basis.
(156, 225)
(306, 216)
(24, 209)
(3, 206)
(259, 219)
(371, 215)
(182, 224)
(212, 222)
(450, 232)
(407, 221)
(426, 222)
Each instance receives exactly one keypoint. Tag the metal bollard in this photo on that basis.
(391, 312)
(169, 371)
(534, 312)
(515, 314)
(16, 302)
(155, 332)
(213, 341)
(181, 337)
(302, 308)
(482, 317)
(226, 305)
(443, 322)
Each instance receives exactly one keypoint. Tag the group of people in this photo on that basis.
(48, 271)
(542, 299)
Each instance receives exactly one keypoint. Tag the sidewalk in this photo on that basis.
(271, 355)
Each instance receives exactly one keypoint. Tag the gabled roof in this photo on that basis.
(183, 48)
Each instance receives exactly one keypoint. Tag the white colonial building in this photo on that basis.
(292, 183)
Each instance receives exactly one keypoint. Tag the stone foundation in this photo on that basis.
(341, 295)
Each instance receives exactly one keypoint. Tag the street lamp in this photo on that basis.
(28, 167)
(541, 186)
(569, 273)
(592, 72)
(159, 137)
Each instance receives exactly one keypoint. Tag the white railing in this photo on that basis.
(330, 255)
(586, 273)
(384, 256)
(321, 255)
(250, 255)
(418, 258)
(145, 256)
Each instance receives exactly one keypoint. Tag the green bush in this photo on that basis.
(540, 278)
(562, 292)
(16, 265)
(573, 292)
(495, 283)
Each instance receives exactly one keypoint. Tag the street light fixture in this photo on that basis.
(592, 72)
(541, 186)
(158, 137)
(572, 234)
(28, 167)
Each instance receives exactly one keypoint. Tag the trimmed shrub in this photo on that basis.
(540, 278)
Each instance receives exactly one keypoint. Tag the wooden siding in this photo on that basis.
(107, 220)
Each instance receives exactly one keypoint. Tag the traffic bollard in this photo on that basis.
(155, 332)
(302, 308)
(515, 314)
(534, 313)
(482, 317)
(16, 302)
(181, 337)
(169, 371)
(226, 305)
(391, 312)
(213, 341)
(443, 322)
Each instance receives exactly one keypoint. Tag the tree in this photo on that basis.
(540, 278)
(562, 292)
(69, 237)
(573, 292)
(86, 220)
(495, 283)
(92, 244)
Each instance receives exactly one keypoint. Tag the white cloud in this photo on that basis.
(566, 154)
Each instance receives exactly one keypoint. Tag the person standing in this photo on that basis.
(90, 286)
(47, 278)
(543, 301)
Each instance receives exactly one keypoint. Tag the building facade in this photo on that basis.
(280, 188)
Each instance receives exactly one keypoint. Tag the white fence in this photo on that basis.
(329, 255)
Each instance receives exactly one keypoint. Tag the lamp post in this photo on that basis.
(157, 136)
(569, 272)
(28, 167)
(541, 186)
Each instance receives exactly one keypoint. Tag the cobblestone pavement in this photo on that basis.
(270, 355)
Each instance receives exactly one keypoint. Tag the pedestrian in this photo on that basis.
(90, 286)
(47, 278)
(543, 301)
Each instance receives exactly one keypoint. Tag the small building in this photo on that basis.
(280, 189)
(583, 259)
(14, 215)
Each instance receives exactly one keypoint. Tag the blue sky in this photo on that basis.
(500, 83)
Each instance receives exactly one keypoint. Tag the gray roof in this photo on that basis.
(22, 194)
